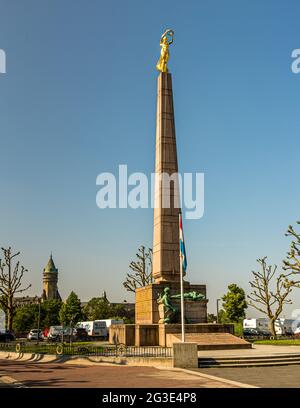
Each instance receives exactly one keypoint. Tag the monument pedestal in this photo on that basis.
(147, 309)
(208, 336)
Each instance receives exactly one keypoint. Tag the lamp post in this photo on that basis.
(218, 300)
(39, 318)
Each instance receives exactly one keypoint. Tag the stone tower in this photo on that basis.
(50, 278)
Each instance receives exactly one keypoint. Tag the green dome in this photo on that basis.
(50, 267)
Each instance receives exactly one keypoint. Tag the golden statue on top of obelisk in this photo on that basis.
(165, 40)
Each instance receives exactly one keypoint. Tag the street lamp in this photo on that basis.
(218, 300)
(39, 318)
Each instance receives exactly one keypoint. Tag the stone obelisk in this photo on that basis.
(166, 266)
(166, 220)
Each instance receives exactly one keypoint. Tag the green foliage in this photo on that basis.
(26, 318)
(71, 312)
(211, 318)
(234, 303)
(50, 313)
(99, 308)
(223, 318)
(238, 329)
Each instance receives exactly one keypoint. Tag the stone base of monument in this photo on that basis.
(147, 310)
(151, 330)
(206, 335)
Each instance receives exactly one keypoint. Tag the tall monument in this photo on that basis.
(157, 306)
(50, 278)
(166, 267)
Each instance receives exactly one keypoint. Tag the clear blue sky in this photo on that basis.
(79, 99)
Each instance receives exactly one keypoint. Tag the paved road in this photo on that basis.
(66, 375)
(274, 377)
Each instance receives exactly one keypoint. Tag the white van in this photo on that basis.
(56, 332)
(109, 322)
(261, 324)
(94, 328)
(282, 326)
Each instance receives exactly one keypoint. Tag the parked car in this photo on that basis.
(80, 333)
(297, 332)
(58, 333)
(7, 336)
(265, 333)
(35, 334)
(250, 332)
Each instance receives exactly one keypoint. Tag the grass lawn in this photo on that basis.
(279, 342)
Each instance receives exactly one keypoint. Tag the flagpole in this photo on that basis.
(181, 287)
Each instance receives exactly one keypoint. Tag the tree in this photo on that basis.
(211, 318)
(234, 303)
(10, 283)
(26, 318)
(271, 291)
(119, 312)
(100, 308)
(50, 312)
(141, 270)
(71, 311)
(97, 308)
(222, 317)
(292, 261)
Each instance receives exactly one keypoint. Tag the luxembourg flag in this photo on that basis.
(181, 244)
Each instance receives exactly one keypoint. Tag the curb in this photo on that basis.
(86, 360)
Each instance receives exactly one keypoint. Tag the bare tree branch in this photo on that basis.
(142, 270)
(10, 283)
(266, 299)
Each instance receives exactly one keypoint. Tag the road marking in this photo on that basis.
(5, 379)
(219, 379)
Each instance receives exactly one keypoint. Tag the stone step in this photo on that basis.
(213, 341)
(249, 362)
(213, 338)
(257, 364)
(254, 357)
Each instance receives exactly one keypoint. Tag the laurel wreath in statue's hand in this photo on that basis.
(169, 34)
